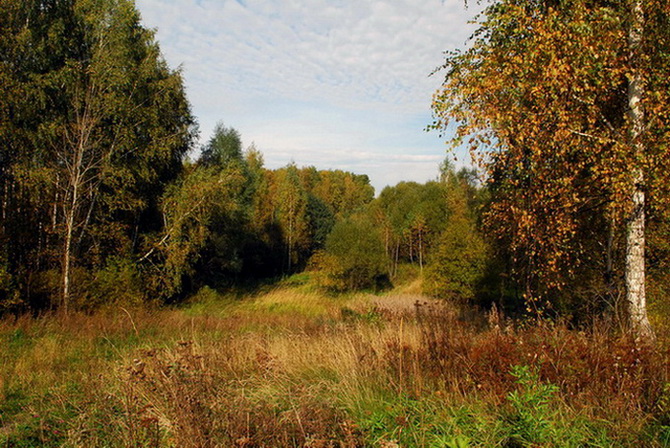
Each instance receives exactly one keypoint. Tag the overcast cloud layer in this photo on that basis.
(336, 84)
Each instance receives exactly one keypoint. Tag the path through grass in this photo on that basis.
(290, 367)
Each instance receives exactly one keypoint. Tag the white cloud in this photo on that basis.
(320, 80)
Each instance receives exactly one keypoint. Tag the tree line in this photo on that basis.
(431, 228)
(564, 104)
(99, 200)
(101, 203)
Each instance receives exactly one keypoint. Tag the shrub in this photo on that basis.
(459, 263)
(532, 417)
(118, 282)
(354, 257)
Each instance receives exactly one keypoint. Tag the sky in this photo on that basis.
(337, 84)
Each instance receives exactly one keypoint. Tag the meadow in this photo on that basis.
(287, 366)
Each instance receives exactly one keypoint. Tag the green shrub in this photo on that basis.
(459, 263)
(118, 282)
(532, 418)
(537, 417)
(354, 257)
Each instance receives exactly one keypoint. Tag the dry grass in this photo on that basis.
(293, 368)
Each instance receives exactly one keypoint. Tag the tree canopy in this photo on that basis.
(564, 104)
(549, 98)
(95, 125)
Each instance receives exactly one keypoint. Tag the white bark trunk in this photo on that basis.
(80, 164)
(67, 262)
(636, 308)
(291, 217)
(421, 251)
(70, 214)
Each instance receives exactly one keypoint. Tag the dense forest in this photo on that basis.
(477, 309)
(101, 202)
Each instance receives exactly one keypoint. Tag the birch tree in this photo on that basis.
(635, 223)
(551, 98)
(292, 213)
(98, 130)
(102, 130)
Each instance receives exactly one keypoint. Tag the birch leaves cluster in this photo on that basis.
(543, 99)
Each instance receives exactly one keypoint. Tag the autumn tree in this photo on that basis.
(565, 104)
(264, 249)
(343, 192)
(292, 214)
(458, 264)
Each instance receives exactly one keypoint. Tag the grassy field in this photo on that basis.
(290, 367)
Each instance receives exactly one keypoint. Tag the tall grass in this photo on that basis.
(291, 368)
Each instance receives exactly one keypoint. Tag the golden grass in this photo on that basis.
(291, 367)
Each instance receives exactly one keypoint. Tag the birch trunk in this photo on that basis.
(636, 309)
(70, 209)
(67, 263)
(82, 159)
(421, 251)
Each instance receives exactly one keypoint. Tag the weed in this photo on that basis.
(293, 368)
(532, 417)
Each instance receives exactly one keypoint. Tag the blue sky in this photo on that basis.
(336, 84)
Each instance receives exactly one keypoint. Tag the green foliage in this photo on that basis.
(9, 297)
(459, 264)
(663, 409)
(371, 316)
(344, 193)
(292, 215)
(194, 209)
(223, 148)
(119, 283)
(98, 127)
(321, 220)
(354, 257)
(533, 414)
(410, 216)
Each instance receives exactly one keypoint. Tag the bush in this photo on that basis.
(118, 282)
(354, 257)
(459, 263)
